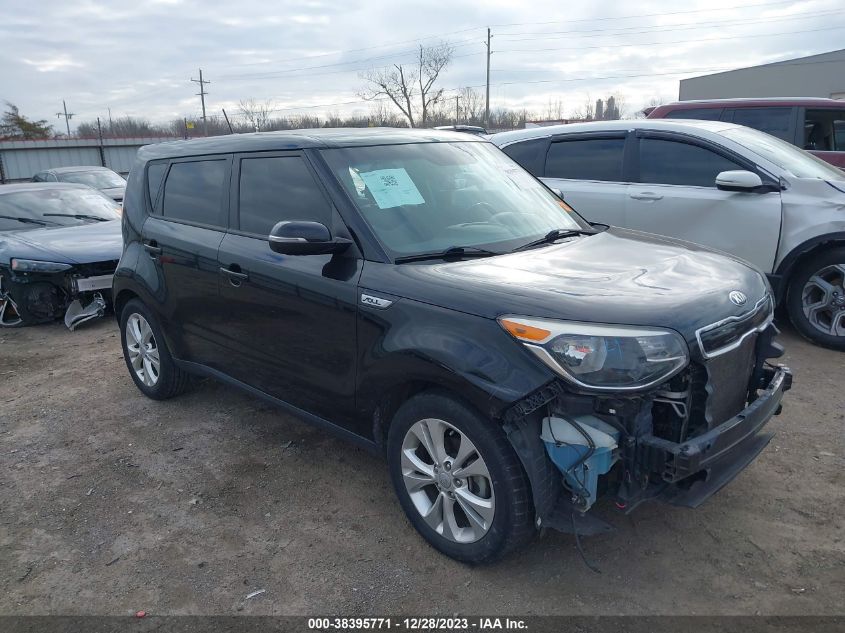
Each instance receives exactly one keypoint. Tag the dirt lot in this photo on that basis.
(110, 502)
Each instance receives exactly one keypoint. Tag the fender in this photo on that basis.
(784, 270)
(413, 343)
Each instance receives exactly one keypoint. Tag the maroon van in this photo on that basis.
(817, 125)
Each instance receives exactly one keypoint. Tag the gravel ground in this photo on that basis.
(110, 503)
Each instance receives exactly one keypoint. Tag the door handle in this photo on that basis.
(152, 248)
(235, 276)
(646, 195)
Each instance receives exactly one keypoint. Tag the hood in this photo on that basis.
(115, 193)
(618, 276)
(82, 244)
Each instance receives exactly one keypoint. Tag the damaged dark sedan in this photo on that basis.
(421, 294)
(59, 246)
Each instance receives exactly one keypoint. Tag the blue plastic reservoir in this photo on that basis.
(567, 446)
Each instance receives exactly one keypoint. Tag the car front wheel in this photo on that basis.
(458, 479)
(816, 299)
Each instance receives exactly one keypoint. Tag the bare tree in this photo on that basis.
(256, 113)
(585, 112)
(410, 88)
(472, 104)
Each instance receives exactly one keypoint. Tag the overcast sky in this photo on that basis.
(138, 57)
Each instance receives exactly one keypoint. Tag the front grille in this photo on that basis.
(728, 377)
(721, 337)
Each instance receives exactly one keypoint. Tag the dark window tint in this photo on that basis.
(774, 121)
(674, 163)
(193, 192)
(824, 130)
(586, 159)
(155, 172)
(276, 189)
(529, 154)
(702, 114)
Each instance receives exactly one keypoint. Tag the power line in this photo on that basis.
(680, 27)
(647, 15)
(686, 41)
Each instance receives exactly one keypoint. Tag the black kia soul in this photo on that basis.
(419, 293)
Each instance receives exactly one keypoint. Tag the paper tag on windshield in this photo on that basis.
(391, 188)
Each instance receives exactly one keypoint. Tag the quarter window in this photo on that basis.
(774, 121)
(666, 162)
(275, 189)
(193, 192)
(586, 159)
(155, 172)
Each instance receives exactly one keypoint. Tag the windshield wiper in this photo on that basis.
(78, 216)
(452, 251)
(553, 236)
(24, 220)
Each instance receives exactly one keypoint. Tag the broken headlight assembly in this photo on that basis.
(602, 357)
(36, 266)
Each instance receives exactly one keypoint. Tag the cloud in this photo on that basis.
(137, 58)
(46, 65)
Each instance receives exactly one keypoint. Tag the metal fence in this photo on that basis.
(21, 160)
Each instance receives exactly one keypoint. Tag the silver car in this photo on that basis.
(722, 185)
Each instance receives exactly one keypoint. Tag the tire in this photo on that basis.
(500, 501)
(815, 299)
(155, 374)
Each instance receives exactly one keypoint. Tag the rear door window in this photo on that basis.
(824, 130)
(774, 121)
(586, 159)
(667, 162)
(277, 188)
(193, 192)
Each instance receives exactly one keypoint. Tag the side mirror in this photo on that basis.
(738, 180)
(305, 238)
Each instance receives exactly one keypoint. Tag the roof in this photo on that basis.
(77, 168)
(34, 186)
(759, 101)
(674, 125)
(321, 138)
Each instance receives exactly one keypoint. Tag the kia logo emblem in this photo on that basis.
(738, 298)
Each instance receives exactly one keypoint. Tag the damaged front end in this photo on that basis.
(34, 292)
(679, 441)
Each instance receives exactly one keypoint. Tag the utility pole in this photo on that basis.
(487, 99)
(202, 94)
(67, 115)
(457, 109)
(225, 116)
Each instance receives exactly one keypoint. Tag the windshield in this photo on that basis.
(97, 179)
(797, 162)
(428, 197)
(50, 208)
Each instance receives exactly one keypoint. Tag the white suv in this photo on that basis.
(722, 185)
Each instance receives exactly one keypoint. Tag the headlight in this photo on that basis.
(604, 357)
(35, 266)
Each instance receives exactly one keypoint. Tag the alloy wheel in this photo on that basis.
(823, 300)
(448, 481)
(142, 349)
(10, 316)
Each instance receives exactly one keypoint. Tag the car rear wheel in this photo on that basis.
(150, 363)
(458, 479)
(816, 299)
